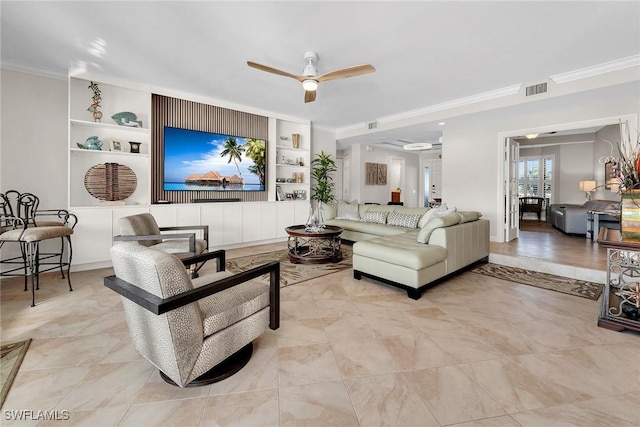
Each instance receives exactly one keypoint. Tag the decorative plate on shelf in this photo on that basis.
(110, 181)
(127, 118)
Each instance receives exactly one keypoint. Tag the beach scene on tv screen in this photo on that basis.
(195, 160)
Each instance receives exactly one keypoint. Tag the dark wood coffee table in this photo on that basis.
(314, 247)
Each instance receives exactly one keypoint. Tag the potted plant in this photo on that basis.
(322, 168)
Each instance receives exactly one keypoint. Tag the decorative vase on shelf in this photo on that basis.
(296, 140)
(630, 216)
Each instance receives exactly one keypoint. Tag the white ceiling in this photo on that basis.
(425, 52)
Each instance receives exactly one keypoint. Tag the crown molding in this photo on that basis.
(606, 67)
(59, 75)
(460, 102)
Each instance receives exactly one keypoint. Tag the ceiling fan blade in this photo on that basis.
(275, 71)
(309, 96)
(356, 70)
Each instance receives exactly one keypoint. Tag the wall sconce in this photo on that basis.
(587, 187)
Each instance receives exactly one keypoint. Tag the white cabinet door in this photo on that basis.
(285, 216)
(211, 215)
(92, 236)
(268, 214)
(302, 211)
(165, 216)
(251, 214)
(231, 226)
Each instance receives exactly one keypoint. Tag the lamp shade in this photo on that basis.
(587, 185)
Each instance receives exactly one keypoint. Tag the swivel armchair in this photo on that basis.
(195, 332)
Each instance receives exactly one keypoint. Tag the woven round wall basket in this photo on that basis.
(110, 181)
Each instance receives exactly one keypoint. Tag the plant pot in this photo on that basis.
(630, 216)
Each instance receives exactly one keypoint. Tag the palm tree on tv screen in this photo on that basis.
(254, 148)
(234, 151)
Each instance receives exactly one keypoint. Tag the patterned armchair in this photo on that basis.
(199, 331)
(144, 229)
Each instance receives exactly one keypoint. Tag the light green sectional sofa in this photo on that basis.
(413, 258)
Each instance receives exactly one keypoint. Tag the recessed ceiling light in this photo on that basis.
(418, 146)
(531, 135)
(441, 124)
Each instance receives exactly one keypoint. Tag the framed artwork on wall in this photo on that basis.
(382, 174)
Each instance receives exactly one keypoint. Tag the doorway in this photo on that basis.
(508, 174)
(427, 186)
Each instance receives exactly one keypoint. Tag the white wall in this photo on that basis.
(472, 156)
(34, 137)
(410, 176)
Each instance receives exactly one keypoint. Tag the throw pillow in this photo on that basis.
(348, 210)
(403, 220)
(444, 212)
(439, 222)
(375, 217)
(430, 214)
(468, 216)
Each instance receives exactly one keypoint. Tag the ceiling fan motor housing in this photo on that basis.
(310, 70)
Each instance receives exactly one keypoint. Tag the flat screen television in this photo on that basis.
(196, 160)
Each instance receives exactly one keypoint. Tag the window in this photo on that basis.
(535, 176)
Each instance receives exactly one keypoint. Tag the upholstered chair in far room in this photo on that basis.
(199, 331)
(144, 229)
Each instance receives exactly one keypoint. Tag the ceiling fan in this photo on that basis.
(310, 77)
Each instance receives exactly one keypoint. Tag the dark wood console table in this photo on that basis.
(621, 296)
(314, 247)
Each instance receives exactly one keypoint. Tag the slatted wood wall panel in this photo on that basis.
(167, 111)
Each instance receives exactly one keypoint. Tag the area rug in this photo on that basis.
(291, 273)
(11, 356)
(580, 288)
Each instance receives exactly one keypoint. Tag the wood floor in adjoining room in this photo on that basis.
(473, 351)
(541, 241)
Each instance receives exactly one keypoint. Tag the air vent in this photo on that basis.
(372, 125)
(537, 89)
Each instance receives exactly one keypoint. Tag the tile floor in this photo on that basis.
(473, 351)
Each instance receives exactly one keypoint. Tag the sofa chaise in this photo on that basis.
(420, 248)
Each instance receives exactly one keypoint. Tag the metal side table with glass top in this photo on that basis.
(621, 296)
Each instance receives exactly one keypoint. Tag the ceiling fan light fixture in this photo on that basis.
(416, 146)
(310, 85)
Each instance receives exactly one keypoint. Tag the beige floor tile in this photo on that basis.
(182, 412)
(357, 357)
(307, 364)
(415, 351)
(158, 390)
(347, 326)
(103, 417)
(452, 396)
(43, 389)
(535, 353)
(68, 351)
(254, 408)
(465, 344)
(294, 332)
(619, 411)
(109, 384)
(259, 374)
(321, 404)
(514, 388)
(388, 400)
(502, 421)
